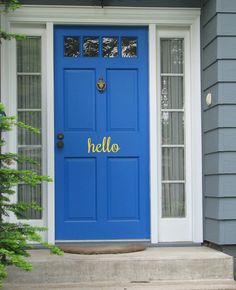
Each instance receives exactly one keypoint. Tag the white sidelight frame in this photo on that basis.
(9, 93)
(177, 229)
(43, 18)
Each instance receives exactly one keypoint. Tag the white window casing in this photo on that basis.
(9, 98)
(173, 229)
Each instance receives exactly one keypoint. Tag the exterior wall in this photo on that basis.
(218, 24)
(134, 3)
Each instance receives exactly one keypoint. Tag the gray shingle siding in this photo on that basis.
(218, 24)
(222, 231)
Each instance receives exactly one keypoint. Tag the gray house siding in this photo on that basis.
(218, 25)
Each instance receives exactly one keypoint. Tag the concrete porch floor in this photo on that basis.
(155, 268)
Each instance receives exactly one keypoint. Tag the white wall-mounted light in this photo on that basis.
(209, 99)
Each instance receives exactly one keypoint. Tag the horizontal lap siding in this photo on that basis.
(220, 140)
(222, 231)
(218, 24)
(221, 209)
(220, 163)
(220, 186)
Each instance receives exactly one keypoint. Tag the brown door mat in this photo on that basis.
(95, 249)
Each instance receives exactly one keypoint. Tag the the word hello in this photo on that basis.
(103, 147)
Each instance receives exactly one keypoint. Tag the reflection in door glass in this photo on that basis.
(71, 46)
(91, 46)
(129, 46)
(110, 46)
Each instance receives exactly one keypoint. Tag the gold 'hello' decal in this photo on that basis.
(105, 146)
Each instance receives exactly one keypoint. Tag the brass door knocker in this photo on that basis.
(101, 85)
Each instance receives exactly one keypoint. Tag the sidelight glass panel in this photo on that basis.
(172, 128)
(71, 46)
(29, 92)
(173, 164)
(29, 194)
(129, 47)
(29, 108)
(172, 92)
(172, 55)
(28, 52)
(34, 154)
(91, 46)
(173, 200)
(110, 46)
(26, 137)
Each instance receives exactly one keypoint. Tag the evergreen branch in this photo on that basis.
(15, 237)
(27, 127)
(9, 158)
(10, 5)
(8, 36)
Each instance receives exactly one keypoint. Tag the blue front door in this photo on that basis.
(101, 133)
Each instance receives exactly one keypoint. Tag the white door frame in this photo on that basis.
(177, 229)
(45, 17)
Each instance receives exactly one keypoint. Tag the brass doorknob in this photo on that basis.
(60, 144)
(60, 136)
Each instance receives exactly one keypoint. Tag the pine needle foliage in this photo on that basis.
(15, 237)
(7, 6)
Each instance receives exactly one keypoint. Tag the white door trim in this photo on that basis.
(196, 132)
(46, 16)
(153, 137)
(107, 15)
(188, 229)
(50, 132)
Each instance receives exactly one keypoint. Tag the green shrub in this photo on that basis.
(15, 236)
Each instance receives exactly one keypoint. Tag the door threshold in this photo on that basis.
(104, 241)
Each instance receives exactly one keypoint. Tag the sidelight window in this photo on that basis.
(29, 111)
(173, 128)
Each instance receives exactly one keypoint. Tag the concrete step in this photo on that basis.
(153, 264)
(160, 285)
